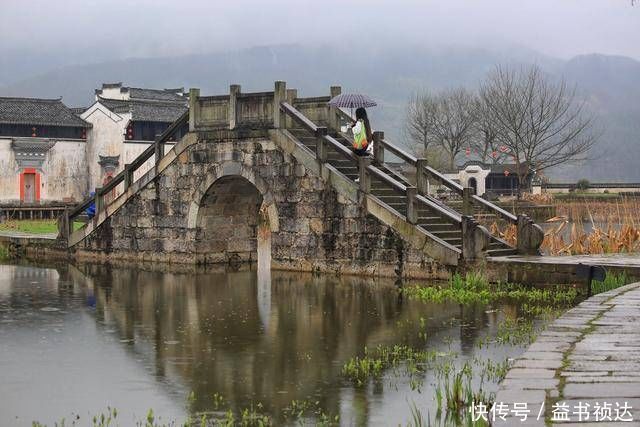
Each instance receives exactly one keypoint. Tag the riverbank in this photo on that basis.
(589, 358)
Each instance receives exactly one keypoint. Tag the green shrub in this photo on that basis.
(583, 184)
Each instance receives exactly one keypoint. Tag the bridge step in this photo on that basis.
(501, 252)
(428, 219)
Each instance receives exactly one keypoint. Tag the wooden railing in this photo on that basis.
(155, 150)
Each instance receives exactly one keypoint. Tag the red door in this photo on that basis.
(30, 186)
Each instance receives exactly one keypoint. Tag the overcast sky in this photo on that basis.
(108, 29)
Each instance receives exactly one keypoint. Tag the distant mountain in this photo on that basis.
(611, 85)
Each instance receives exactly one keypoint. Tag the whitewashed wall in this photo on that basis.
(104, 139)
(65, 172)
(9, 181)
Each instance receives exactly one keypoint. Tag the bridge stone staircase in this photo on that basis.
(314, 127)
(395, 190)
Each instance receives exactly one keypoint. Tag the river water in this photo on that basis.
(75, 339)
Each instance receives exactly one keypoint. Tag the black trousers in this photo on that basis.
(362, 152)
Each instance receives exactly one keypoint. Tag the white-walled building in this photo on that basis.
(498, 179)
(42, 152)
(52, 155)
(124, 122)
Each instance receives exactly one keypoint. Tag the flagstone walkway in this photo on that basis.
(584, 369)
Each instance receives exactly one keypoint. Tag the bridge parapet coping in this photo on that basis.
(255, 110)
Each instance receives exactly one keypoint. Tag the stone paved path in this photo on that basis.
(589, 356)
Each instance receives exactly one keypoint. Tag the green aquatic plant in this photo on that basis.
(475, 288)
(303, 410)
(516, 332)
(456, 393)
(373, 363)
(4, 253)
(218, 401)
(417, 419)
(611, 281)
(247, 417)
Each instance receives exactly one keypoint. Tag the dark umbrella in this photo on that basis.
(351, 100)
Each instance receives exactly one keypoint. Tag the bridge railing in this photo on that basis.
(237, 110)
(155, 151)
(529, 234)
(424, 172)
(368, 171)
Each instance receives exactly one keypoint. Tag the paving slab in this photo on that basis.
(594, 348)
(600, 379)
(531, 373)
(603, 390)
(543, 364)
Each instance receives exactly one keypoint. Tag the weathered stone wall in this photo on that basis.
(313, 228)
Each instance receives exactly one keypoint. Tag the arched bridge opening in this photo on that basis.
(232, 225)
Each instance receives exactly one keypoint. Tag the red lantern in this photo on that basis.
(467, 152)
(494, 154)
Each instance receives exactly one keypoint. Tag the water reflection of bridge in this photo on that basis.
(222, 332)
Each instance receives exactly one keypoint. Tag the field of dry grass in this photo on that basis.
(588, 227)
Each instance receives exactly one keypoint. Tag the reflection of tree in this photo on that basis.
(205, 330)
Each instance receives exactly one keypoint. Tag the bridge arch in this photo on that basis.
(234, 214)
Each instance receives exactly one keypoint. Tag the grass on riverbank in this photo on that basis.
(4, 253)
(475, 288)
(34, 226)
(611, 281)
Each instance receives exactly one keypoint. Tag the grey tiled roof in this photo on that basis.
(147, 111)
(34, 111)
(155, 94)
(78, 110)
(156, 112)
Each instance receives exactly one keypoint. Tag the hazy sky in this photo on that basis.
(124, 28)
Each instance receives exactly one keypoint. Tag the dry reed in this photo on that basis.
(587, 227)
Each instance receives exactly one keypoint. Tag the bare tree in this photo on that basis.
(540, 123)
(485, 140)
(453, 122)
(420, 121)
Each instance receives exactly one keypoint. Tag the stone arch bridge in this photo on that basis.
(268, 176)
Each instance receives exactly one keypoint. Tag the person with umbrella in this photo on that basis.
(361, 128)
(362, 136)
